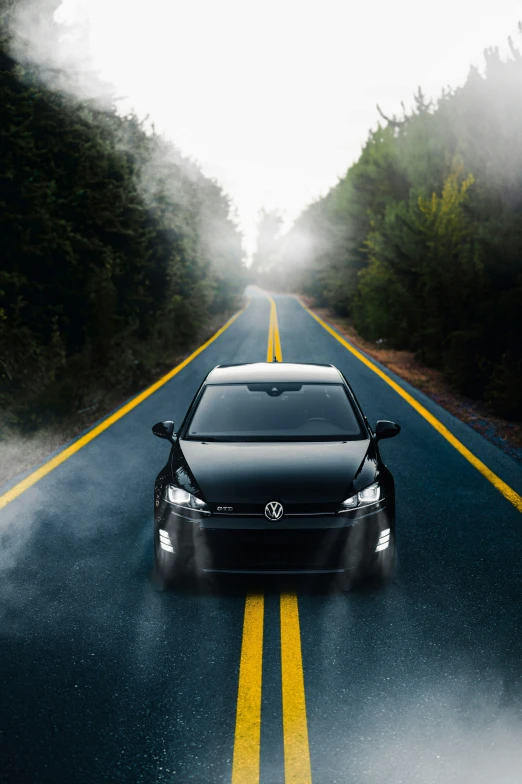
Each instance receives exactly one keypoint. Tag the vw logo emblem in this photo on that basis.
(274, 510)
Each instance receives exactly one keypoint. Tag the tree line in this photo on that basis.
(115, 249)
(420, 243)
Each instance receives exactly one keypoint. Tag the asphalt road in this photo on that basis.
(106, 679)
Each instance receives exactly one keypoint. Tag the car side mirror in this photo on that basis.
(164, 430)
(386, 429)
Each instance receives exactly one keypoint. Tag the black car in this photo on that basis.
(276, 470)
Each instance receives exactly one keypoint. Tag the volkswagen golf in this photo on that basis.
(276, 470)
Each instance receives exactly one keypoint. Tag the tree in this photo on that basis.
(114, 246)
(421, 241)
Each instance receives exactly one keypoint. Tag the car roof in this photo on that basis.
(272, 372)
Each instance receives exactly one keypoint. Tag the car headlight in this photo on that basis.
(179, 497)
(369, 495)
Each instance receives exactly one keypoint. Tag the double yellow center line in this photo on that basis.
(273, 352)
(247, 740)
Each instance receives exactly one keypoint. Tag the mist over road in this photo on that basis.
(105, 679)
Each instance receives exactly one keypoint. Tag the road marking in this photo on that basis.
(66, 453)
(507, 491)
(274, 340)
(295, 729)
(247, 739)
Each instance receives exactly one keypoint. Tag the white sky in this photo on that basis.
(275, 99)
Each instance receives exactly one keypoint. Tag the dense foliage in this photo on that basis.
(115, 249)
(421, 242)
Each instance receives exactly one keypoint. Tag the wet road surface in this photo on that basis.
(103, 678)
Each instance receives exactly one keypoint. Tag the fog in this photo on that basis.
(275, 99)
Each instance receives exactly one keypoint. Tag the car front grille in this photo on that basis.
(272, 549)
(258, 510)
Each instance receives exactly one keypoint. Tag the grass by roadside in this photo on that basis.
(20, 452)
(501, 432)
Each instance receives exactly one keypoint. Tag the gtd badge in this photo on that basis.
(274, 510)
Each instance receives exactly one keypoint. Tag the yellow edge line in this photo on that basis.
(295, 730)
(66, 453)
(511, 495)
(247, 739)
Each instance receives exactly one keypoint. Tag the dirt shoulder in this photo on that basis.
(501, 432)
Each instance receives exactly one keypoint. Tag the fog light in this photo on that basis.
(165, 543)
(384, 540)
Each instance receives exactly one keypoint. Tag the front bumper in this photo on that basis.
(312, 544)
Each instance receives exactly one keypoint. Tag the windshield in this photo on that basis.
(294, 412)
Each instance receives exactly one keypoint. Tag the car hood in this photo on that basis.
(289, 472)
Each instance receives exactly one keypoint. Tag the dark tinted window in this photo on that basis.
(265, 411)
